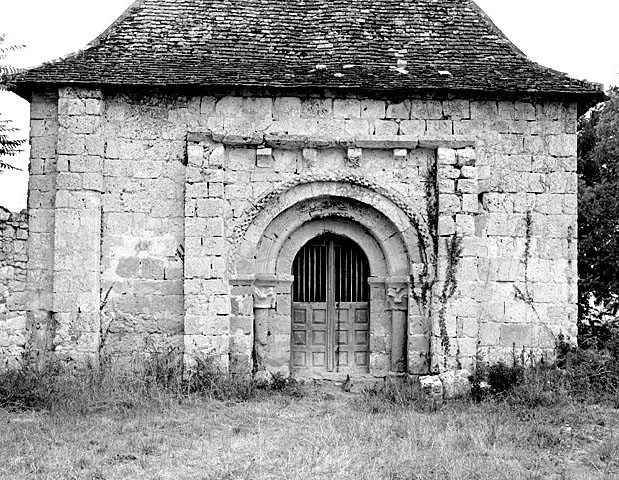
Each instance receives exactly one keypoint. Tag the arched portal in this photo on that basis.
(330, 321)
(386, 234)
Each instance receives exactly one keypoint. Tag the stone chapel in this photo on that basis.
(313, 187)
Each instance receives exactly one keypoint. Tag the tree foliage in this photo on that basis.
(8, 145)
(598, 207)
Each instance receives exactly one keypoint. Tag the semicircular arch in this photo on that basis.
(309, 201)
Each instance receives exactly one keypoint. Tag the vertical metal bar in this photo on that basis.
(357, 276)
(295, 274)
(305, 291)
(330, 306)
(349, 272)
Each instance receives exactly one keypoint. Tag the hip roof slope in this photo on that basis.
(354, 44)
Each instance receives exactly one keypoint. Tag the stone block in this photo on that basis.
(465, 225)
(346, 108)
(286, 107)
(229, 106)
(427, 110)
(401, 110)
(208, 106)
(449, 204)
(373, 109)
(317, 108)
(446, 226)
(258, 107)
(492, 311)
(386, 127)
(43, 107)
(446, 156)
(484, 110)
(470, 203)
(457, 109)
(489, 334)
(413, 127)
(455, 384)
(242, 159)
(71, 145)
(69, 181)
(432, 388)
(468, 172)
(467, 186)
(519, 335)
(440, 128)
(357, 127)
(525, 111)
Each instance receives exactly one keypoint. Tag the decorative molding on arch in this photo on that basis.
(416, 219)
(276, 256)
(378, 258)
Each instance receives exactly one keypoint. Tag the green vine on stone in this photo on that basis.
(526, 295)
(454, 252)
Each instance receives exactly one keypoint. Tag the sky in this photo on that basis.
(573, 36)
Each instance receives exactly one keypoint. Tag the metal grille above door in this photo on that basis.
(330, 310)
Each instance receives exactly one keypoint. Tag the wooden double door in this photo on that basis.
(330, 307)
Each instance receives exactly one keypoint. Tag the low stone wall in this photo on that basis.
(13, 258)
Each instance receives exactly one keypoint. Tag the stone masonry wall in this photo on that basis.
(517, 278)
(13, 332)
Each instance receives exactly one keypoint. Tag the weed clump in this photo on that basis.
(156, 380)
(586, 375)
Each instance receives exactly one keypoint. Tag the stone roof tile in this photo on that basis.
(340, 44)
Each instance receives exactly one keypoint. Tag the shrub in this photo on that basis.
(588, 375)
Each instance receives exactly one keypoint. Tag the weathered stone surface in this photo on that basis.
(170, 233)
(455, 384)
(13, 325)
(432, 388)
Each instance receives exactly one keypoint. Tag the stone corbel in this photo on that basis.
(353, 157)
(400, 154)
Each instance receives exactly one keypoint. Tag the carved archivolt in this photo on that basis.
(271, 197)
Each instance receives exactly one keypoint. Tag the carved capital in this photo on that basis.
(264, 297)
(397, 296)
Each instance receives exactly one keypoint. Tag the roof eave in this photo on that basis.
(585, 99)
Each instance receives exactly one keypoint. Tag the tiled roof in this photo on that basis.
(398, 45)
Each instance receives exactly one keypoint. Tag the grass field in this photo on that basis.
(325, 434)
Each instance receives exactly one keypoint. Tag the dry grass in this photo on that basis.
(321, 436)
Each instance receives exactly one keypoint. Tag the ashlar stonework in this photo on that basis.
(274, 205)
(161, 222)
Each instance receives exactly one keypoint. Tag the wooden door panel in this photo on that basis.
(353, 327)
(299, 359)
(319, 315)
(330, 314)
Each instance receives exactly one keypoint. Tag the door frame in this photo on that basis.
(322, 273)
